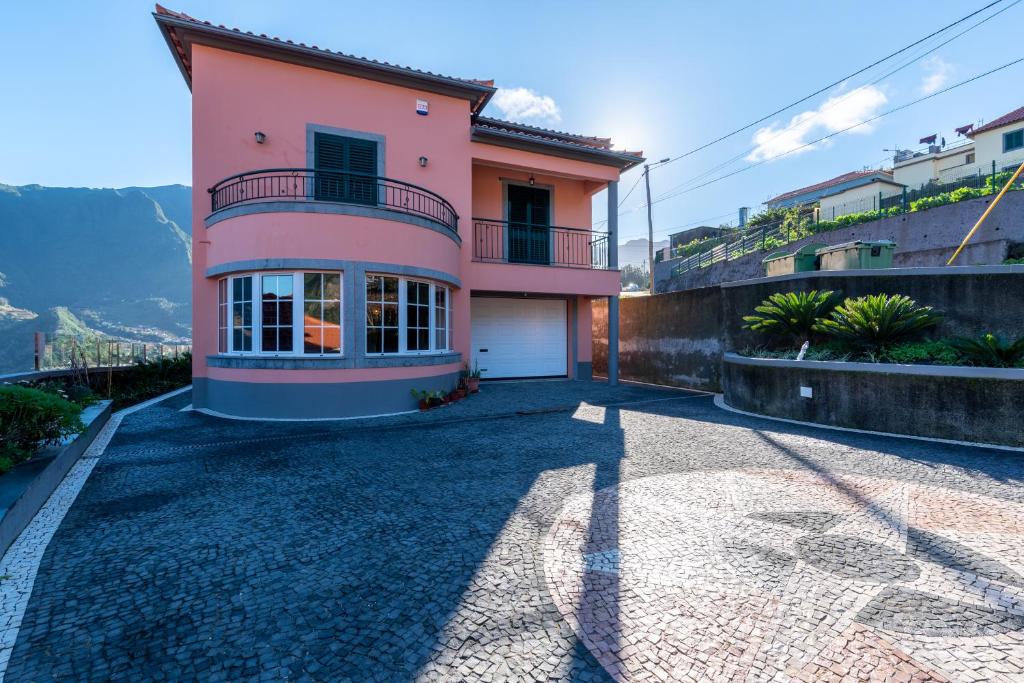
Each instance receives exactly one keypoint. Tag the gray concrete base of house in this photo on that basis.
(979, 405)
(25, 489)
(313, 401)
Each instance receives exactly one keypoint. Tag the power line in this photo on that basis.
(899, 68)
(833, 84)
(844, 130)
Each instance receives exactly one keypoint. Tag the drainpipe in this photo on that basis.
(613, 301)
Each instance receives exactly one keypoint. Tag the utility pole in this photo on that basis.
(650, 231)
(650, 225)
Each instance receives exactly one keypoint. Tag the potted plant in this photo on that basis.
(473, 379)
(423, 397)
(435, 398)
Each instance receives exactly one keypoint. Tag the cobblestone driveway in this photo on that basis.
(529, 535)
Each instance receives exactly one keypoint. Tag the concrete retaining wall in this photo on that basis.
(923, 238)
(25, 488)
(979, 405)
(678, 338)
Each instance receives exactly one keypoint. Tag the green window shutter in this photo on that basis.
(341, 156)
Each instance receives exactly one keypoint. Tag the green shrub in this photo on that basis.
(927, 352)
(793, 315)
(990, 351)
(30, 419)
(148, 380)
(878, 321)
(1014, 262)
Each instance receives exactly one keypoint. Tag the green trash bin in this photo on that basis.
(857, 255)
(784, 262)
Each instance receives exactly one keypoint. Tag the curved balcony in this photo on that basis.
(337, 187)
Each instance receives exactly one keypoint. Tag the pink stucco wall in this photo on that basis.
(234, 95)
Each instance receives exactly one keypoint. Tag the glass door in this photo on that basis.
(529, 224)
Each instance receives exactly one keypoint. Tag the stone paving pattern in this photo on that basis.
(526, 535)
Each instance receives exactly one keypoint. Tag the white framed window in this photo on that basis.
(241, 314)
(442, 318)
(296, 314)
(321, 320)
(406, 316)
(222, 315)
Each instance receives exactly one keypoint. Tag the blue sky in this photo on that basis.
(92, 96)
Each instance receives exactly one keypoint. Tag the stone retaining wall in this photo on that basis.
(923, 238)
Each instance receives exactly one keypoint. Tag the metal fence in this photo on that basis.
(53, 352)
(774, 235)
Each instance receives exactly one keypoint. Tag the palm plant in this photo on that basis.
(795, 315)
(989, 350)
(879, 320)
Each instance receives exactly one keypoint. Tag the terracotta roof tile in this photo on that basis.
(163, 11)
(1004, 120)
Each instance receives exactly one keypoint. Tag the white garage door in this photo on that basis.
(519, 337)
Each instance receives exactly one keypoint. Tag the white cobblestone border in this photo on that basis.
(720, 403)
(20, 563)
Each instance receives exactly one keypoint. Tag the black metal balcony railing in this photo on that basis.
(496, 241)
(309, 184)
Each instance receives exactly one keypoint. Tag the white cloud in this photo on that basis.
(937, 73)
(835, 114)
(524, 104)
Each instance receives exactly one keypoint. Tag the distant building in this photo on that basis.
(999, 144)
(841, 194)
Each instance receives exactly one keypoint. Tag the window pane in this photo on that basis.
(314, 312)
(247, 288)
(247, 339)
(284, 338)
(373, 315)
(222, 340)
(332, 286)
(332, 339)
(391, 315)
(391, 289)
(390, 340)
(373, 287)
(424, 340)
(332, 313)
(270, 339)
(312, 285)
(410, 340)
(311, 340)
(247, 314)
(285, 310)
(237, 340)
(373, 340)
(269, 312)
(236, 285)
(237, 317)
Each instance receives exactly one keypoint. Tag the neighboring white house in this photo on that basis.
(848, 193)
(1000, 140)
(998, 144)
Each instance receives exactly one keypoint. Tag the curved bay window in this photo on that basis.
(294, 314)
(406, 316)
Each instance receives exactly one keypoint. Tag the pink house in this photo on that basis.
(361, 230)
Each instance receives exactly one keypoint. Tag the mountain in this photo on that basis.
(109, 262)
(634, 252)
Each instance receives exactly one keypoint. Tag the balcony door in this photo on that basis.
(529, 224)
(346, 169)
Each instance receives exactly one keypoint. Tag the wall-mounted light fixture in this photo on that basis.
(423, 161)
(261, 137)
(531, 179)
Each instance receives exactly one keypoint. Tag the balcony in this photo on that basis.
(497, 241)
(336, 187)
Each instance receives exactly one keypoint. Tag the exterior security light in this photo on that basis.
(531, 179)
(423, 161)
(261, 137)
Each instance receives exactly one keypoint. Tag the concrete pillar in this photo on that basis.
(613, 301)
